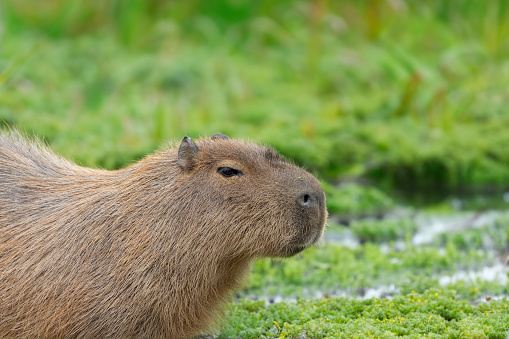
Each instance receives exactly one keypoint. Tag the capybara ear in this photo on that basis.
(187, 154)
(220, 136)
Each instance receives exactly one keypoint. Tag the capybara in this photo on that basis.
(149, 251)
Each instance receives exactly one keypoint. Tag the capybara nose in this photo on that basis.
(307, 200)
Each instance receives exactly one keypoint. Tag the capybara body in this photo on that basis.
(149, 251)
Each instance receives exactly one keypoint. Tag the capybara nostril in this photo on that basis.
(307, 200)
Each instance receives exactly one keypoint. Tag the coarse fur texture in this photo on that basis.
(149, 251)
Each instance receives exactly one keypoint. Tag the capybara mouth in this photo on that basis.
(314, 234)
(318, 235)
(302, 244)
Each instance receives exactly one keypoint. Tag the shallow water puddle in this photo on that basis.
(498, 273)
(430, 225)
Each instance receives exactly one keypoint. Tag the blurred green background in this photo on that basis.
(382, 99)
(402, 94)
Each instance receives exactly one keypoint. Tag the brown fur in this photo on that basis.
(149, 251)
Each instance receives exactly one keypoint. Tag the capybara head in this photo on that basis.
(267, 205)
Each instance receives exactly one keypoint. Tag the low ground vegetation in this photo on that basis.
(435, 313)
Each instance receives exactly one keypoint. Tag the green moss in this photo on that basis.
(435, 313)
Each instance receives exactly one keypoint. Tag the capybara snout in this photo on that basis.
(251, 180)
(314, 211)
(311, 213)
(148, 251)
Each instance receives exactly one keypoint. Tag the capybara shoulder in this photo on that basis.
(149, 251)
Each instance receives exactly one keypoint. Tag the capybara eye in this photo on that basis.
(228, 172)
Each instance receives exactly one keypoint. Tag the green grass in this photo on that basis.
(436, 313)
(353, 201)
(384, 230)
(405, 93)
